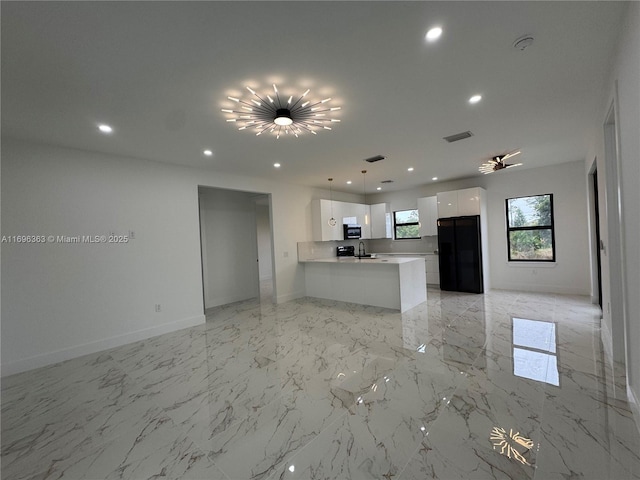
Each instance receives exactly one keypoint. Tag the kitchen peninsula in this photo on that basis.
(396, 283)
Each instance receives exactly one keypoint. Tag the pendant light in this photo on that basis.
(332, 221)
(364, 189)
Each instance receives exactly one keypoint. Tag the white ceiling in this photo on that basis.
(159, 72)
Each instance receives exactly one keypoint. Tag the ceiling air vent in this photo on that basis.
(377, 158)
(458, 136)
(386, 181)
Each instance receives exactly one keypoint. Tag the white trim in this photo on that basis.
(50, 358)
(290, 296)
(531, 264)
(542, 288)
(634, 403)
(218, 301)
(607, 342)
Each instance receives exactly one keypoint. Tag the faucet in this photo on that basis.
(361, 251)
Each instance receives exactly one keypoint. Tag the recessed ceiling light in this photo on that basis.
(349, 182)
(379, 188)
(433, 34)
(434, 178)
(277, 165)
(475, 99)
(410, 169)
(105, 128)
(208, 153)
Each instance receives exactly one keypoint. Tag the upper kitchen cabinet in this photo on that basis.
(321, 212)
(381, 220)
(343, 212)
(459, 203)
(428, 213)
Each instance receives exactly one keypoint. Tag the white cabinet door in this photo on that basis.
(380, 221)
(433, 270)
(447, 204)
(321, 212)
(469, 201)
(428, 213)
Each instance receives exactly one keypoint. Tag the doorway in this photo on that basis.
(229, 245)
(615, 225)
(598, 239)
(264, 241)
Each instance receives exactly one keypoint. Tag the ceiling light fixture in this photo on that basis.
(433, 34)
(475, 99)
(208, 153)
(277, 165)
(410, 169)
(379, 188)
(105, 128)
(434, 178)
(281, 115)
(349, 182)
(498, 163)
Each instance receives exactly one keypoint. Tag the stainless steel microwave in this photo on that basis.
(352, 231)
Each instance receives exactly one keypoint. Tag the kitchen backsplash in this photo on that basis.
(310, 250)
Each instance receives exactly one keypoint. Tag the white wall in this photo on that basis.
(61, 301)
(228, 226)
(621, 258)
(570, 274)
(64, 300)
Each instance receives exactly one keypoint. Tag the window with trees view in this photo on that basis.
(530, 229)
(406, 224)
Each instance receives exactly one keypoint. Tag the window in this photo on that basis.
(530, 229)
(405, 224)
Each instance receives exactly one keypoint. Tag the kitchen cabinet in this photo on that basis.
(321, 212)
(381, 220)
(428, 213)
(343, 212)
(458, 203)
(433, 269)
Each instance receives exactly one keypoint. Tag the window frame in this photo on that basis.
(396, 224)
(531, 228)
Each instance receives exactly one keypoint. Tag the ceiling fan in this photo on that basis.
(499, 163)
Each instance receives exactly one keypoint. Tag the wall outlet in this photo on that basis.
(158, 307)
(285, 254)
(132, 234)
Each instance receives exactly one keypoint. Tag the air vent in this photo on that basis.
(458, 136)
(386, 181)
(377, 158)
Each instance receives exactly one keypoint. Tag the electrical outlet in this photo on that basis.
(285, 254)
(132, 234)
(158, 308)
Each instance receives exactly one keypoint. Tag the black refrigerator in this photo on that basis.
(460, 254)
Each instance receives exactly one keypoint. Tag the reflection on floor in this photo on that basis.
(502, 385)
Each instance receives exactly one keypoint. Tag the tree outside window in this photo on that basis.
(406, 224)
(530, 235)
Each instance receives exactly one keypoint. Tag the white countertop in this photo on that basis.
(416, 254)
(355, 260)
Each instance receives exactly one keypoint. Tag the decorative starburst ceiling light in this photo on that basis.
(281, 115)
(498, 163)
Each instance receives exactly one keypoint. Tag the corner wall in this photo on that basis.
(61, 301)
(570, 274)
(622, 91)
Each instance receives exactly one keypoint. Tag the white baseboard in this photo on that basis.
(634, 402)
(226, 300)
(607, 342)
(542, 288)
(290, 296)
(50, 358)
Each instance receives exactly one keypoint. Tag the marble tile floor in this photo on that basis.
(504, 385)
